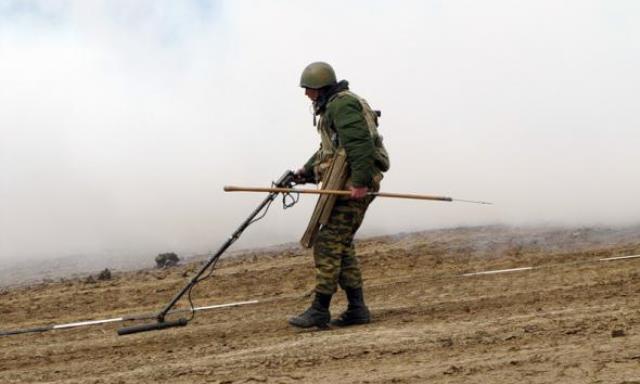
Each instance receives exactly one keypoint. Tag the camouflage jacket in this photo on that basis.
(347, 121)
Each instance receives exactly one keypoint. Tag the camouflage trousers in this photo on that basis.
(333, 252)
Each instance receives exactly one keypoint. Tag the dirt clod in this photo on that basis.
(452, 370)
(618, 333)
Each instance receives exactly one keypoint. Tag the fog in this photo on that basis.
(121, 121)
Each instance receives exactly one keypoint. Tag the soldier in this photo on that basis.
(348, 127)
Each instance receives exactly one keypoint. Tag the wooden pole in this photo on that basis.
(231, 188)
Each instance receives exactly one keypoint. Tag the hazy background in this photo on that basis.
(120, 121)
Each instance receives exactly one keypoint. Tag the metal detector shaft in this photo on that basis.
(284, 181)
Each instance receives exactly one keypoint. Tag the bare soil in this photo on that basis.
(571, 319)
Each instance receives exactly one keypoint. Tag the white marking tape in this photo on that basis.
(529, 268)
(497, 271)
(83, 323)
(620, 258)
(226, 305)
(96, 322)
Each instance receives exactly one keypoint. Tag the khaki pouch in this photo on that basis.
(334, 177)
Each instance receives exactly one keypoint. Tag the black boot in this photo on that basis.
(317, 315)
(356, 313)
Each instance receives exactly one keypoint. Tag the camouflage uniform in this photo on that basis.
(347, 127)
(346, 121)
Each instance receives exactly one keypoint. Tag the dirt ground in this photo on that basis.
(571, 319)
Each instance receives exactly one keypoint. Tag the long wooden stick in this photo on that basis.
(231, 188)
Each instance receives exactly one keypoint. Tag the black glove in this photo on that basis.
(301, 176)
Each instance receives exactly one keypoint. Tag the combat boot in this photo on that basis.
(356, 313)
(317, 315)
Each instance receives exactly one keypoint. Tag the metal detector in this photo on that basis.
(285, 181)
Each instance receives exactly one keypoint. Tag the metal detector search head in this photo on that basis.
(152, 327)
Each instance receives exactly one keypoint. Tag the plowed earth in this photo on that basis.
(570, 319)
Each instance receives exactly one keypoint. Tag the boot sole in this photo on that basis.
(307, 326)
(322, 327)
(338, 323)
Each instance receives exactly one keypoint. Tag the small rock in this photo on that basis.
(618, 333)
(453, 370)
(445, 342)
(257, 379)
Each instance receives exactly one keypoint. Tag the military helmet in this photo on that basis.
(317, 75)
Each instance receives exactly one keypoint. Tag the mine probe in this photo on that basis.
(231, 188)
(286, 181)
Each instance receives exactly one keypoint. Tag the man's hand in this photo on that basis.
(358, 192)
(301, 176)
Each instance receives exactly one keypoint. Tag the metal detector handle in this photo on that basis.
(286, 180)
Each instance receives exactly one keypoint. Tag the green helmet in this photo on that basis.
(317, 75)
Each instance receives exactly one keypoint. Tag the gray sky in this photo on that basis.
(121, 121)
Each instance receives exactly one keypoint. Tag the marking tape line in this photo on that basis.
(498, 271)
(620, 258)
(530, 268)
(226, 305)
(83, 323)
